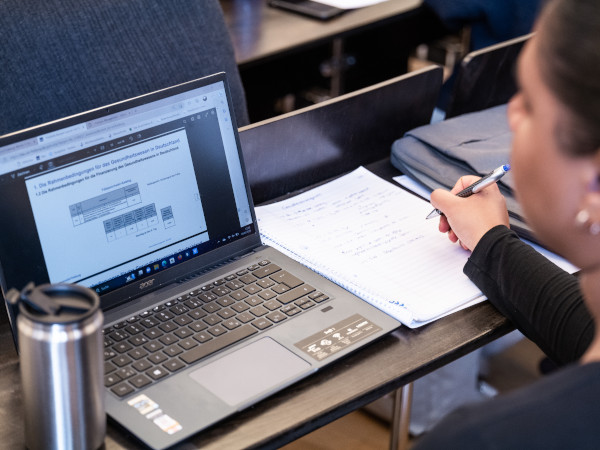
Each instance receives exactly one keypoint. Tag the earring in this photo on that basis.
(582, 219)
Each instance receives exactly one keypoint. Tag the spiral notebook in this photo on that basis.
(371, 237)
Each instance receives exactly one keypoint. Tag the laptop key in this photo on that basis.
(157, 358)
(267, 270)
(245, 317)
(109, 367)
(122, 389)
(213, 319)
(163, 316)
(134, 329)
(174, 365)
(153, 333)
(248, 278)
(267, 295)
(197, 314)
(167, 327)
(188, 343)
(137, 353)
(173, 350)
(183, 320)
(276, 316)
(122, 347)
(226, 313)
(202, 337)
(241, 307)
(168, 339)
(111, 380)
(121, 360)
(252, 289)
(118, 335)
(126, 372)
(214, 345)
(138, 340)
(295, 293)
(262, 323)
(217, 330)
(287, 278)
(231, 324)
(272, 305)
(157, 373)
(153, 346)
(308, 304)
(142, 365)
(192, 303)
(265, 283)
(198, 326)
(280, 288)
(140, 381)
(179, 309)
(183, 333)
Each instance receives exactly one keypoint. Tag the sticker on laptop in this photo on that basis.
(148, 408)
(337, 337)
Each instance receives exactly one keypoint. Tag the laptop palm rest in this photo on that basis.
(250, 371)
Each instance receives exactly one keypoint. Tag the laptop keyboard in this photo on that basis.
(157, 343)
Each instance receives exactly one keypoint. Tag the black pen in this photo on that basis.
(480, 184)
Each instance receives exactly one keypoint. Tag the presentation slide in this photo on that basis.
(125, 206)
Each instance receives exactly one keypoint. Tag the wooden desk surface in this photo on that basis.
(259, 31)
(350, 383)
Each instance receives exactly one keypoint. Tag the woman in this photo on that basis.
(556, 167)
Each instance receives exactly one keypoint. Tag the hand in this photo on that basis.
(467, 219)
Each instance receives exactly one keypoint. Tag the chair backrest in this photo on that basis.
(62, 57)
(327, 139)
(485, 78)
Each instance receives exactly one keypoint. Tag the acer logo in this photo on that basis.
(147, 284)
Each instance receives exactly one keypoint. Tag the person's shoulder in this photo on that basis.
(554, 412)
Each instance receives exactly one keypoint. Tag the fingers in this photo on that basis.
(466, 220)
(464, 182)
(443, 226)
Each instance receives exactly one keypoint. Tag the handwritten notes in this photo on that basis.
(371, 237)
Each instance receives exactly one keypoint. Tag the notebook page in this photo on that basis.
(371, 237)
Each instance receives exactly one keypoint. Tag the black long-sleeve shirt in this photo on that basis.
(545, 303)
(542, 300)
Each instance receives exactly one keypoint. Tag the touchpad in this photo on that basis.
(249, 371)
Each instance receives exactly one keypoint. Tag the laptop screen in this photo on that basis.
(120, 194)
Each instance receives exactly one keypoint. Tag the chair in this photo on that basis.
(485, 78)
(62, 57)
(325, 140)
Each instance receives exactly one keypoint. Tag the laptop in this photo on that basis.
(147, 202)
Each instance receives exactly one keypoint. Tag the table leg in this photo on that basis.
(401, 417)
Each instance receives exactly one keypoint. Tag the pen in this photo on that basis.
(480, 184)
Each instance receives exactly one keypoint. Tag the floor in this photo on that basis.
(511, 368)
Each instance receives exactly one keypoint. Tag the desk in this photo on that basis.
(343, 387)
(287, 61)
(260, 32)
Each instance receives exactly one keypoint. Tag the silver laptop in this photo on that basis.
(147, 202)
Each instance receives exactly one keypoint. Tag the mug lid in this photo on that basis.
(58, 303)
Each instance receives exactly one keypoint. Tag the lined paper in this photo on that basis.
(371, 237)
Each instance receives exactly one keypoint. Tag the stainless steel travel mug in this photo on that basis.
(61, 356)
